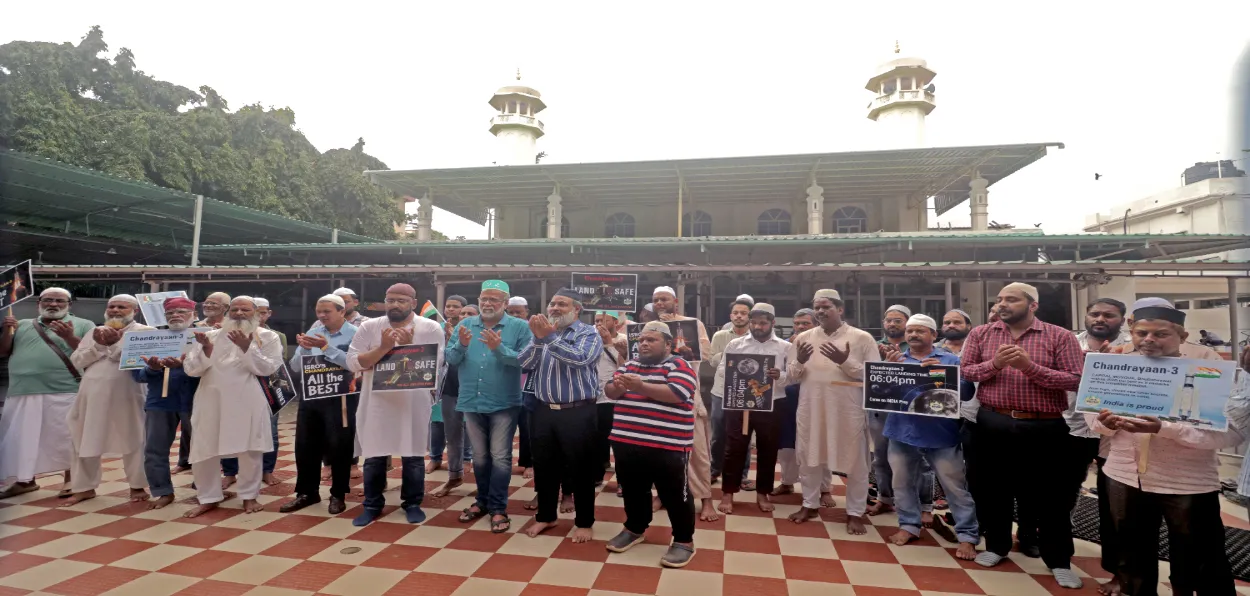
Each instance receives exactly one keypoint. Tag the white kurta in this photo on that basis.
(832, 426)
(393, 423)
(230, 414)
(108, 414)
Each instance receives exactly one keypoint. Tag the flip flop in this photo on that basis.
(499, 526)
(469, 514)
(16, 489)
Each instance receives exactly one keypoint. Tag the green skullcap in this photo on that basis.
(495, 284)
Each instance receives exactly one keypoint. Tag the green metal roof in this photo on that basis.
(50, 195)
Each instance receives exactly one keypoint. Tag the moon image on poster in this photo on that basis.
(748, 366)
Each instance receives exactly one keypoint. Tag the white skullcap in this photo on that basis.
(899, 308)
(248, 298)
(746, 297)
(1023, 288)
(649, 307)
(331, 298)
(658, 327)
(923, 320)
(830, 294)
(125, 298)
(764, 307)
(56, 291)
(345, 292)
(261, 302)
(517, 301)
(1152, 301)
(664, 290)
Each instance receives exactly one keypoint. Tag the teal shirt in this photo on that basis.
(33, 367)
(490, 380)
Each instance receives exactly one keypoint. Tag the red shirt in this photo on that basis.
(1056, 361)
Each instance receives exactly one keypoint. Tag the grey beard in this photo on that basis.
(178, 326)
(562, 322)
(247, 326)
(126, 320)
(54, 315)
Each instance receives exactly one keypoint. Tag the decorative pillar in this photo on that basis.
(555, 214)
(425, 216)
(681, 299)
(440, 294)
(815, 208)
(979, 202)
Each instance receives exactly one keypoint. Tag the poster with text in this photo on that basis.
(747, 386)
(407, 367)
(153, 306)
(1192, 392)
(16, 284)
(278, 388)
(685, 335)
(161, 343)
(528, 385)
(607, 291)
(322, 378)
(906, 388)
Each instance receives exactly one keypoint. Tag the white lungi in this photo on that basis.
(34, 435)
(207, 474)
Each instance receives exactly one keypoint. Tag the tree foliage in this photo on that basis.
(66, 102)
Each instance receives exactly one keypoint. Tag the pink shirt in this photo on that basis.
(1180, 459)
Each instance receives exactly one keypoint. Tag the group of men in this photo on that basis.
(582, 402)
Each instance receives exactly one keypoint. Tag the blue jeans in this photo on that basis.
(438, 442)
(718, 440)
(948, 463)
(411, 492)
(881, 466)
(453, 433)
(491, 435)
(230, 465)
(160, 426)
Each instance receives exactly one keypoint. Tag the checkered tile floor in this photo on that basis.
(109, 546)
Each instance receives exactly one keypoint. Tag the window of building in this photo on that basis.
(850, 220)
(524, 109)
(774, 222)
(698, 223)
(619, 225)
(564, 227)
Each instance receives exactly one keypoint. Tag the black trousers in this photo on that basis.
(320, 436)
(525, 457)
(184, 446)
(767, 429)
(1106, 525)
(564, 442)
(1081, 451)
(639, 468)
(1195, 536)
(1030, 464)
(607, 413)
(968, 442)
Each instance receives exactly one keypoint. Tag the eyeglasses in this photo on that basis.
(53, 301)
(490, 300)
(398, 301)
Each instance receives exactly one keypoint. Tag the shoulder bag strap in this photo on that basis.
(56, 350)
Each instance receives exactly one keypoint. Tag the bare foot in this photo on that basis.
(268, 479)
(804, 514)
(355, 472)
(138, 495)
(708, 514)
(200, 510)
(226, 481)
(926, 519)
(827, 501)
(968, 552)
(180, 469)
(527, 473)
(581, 535)
(784, 489)
(252, 506)
(532, 504)
(446, 489)
(160, 502)
(879, 507)
(855, 526)
(432, 466)
(325, 472)
(537, 528)
(726, 504)
(764, 504)
(902, 537)
(77, 498)
(656, 505)
(1111, 588)
(566, 504)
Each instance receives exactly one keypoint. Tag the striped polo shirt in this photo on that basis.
(640, 420)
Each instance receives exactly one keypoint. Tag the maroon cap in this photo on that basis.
(179, 302)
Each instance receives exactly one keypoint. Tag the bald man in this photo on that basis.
(214, 308)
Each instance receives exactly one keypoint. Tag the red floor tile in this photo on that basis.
(814, 570)
(28, 539)
(7, 591)
(211, 587)
(292, 523)
(44, 518)
(121, 528)
(426, 584)
(479, 540)
(849, 550)
(309, 575)
(385, 532)
(809, 529)
(542, 590)
(626, 578)
(742, 585)
(592, 551)
(205, 563)
(610, 515)
(111, 551)
(447, 519)
(214, 516)
(207, 537)
(17, 562)
(1091, 566)
(126, 509)
(401, 557)
(941, 579)
(711, 561)
(513, 568)
(299, 547)
(874, 591)
(659, 535)
(751, 543)
(94, 582)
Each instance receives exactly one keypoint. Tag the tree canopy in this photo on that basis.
(67, 102)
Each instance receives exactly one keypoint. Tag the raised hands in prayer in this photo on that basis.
(465, 336)
(889, 352)
(106, 336)
(804, 351)
(491, 338)
(240, 339)
(833, 353)
(540, 326)
(63, 330)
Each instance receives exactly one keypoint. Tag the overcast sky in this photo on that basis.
(1136, 93)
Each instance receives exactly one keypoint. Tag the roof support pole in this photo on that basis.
(950, 296)
(681, 186)
(1234, 331)
(303, 308)
(334, 236)
(440, 295)
(195, 234)
(542, 292)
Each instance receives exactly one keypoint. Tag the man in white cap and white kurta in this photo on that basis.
(664, 302)
(350, 304)
(828, 362)
(230, 414)
(108, 413)
(34, 430)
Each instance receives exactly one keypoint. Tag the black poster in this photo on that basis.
(685, 335)
(528, 387)
(323, 378)
(912, 389)
(279, 389)
(607, 291)
(17, 285)
(747, 386)
(407, 367)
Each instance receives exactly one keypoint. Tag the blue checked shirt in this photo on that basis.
(565, 364)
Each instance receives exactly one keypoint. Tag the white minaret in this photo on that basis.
(515, 125)
(904, 96)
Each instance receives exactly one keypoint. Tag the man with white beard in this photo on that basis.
(230, 414)
(165, 410)
(108, 413)
(214, 307)
(34, 431)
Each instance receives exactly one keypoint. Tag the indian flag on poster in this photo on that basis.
(1203, 372)
(428, 311)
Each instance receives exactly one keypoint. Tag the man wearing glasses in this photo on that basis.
(34, 431)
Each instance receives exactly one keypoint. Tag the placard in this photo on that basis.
(153, 306)
(607, 291)
(906, 388)
(161, 343)
(322, 378)
(16, 284)
(278, 388)
(685, 334)
(528, 386)
(407, 367)
(1181, 390)
(747, 386)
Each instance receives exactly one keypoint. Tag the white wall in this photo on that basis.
(1216, 319)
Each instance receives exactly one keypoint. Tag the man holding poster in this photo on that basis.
(1165, 469)
(170, 395)
(325, 429)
